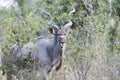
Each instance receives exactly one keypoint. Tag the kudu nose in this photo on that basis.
(61, 44)
(62, 41)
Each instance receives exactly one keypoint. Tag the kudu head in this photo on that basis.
(60, 34)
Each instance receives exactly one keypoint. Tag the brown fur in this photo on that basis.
(59, 66)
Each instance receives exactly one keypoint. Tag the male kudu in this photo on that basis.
(48, 53)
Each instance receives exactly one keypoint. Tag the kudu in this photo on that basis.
(51, 51)
(48, 53)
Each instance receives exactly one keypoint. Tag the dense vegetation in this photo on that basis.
(93, 44)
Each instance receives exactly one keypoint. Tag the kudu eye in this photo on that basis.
(65, 34)
(59, 34)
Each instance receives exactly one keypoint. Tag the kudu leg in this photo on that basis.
(59, 65)
(9, 75)
(47, 73)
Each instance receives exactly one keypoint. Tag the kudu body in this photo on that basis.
(48, 53)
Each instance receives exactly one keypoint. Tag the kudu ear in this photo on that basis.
(67, 26)
(50, 30)
(53, 30)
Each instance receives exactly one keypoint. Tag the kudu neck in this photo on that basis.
(57, 49)
(55, 40)
(57, 43)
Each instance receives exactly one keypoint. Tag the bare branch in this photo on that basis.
(89, 6)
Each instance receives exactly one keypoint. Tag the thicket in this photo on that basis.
(93, 44)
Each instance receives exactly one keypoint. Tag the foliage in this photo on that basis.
(93, 47)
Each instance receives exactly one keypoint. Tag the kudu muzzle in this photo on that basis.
(62, 40)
